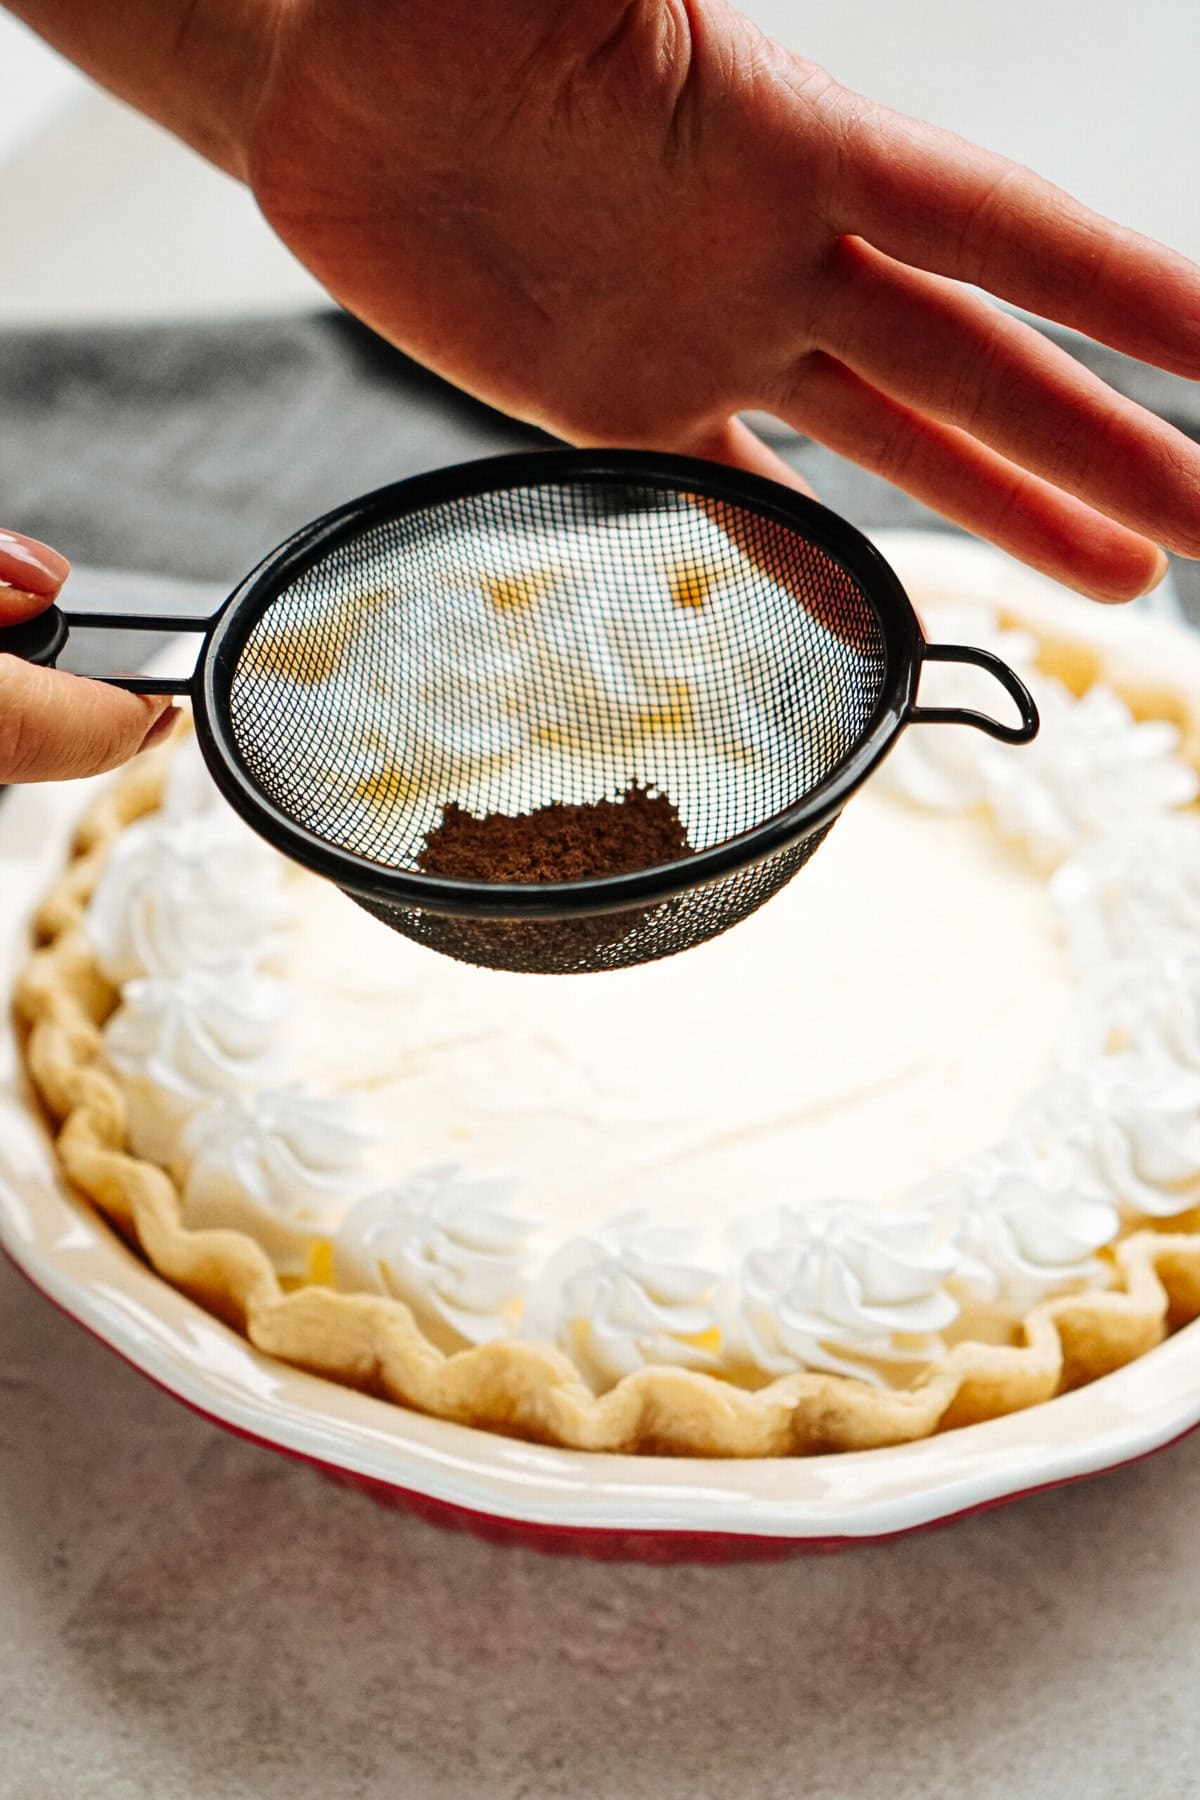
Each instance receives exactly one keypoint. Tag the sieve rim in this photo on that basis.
(376, 882)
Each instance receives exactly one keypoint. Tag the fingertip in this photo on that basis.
(1158, 574)
(163, 725)
(31, 568)
(1125, 578)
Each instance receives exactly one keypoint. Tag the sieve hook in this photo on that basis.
(1023, 733)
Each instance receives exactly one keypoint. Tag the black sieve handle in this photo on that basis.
(1009, 680)
(43, 638)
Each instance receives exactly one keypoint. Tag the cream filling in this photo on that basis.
(880, 1019)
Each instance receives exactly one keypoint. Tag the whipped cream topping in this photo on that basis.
(626, 1295)
(189, 791)
(1141, 1006)
(447, 1245)
(1134, 892)
(179, 1041)
(282, 1165)
(362, 783)
(1017, 1238)
(837, 1287)
(190, 894)
(870, 1292)
(1125, 1128)
(1092, 768)
(671, 650)
(686, 649)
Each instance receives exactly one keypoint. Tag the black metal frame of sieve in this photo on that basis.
(376, 884)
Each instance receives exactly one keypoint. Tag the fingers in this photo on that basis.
(947, 353)
(30, 576)
(55, 727)
(971, 484)
(772, 555)
(927, 197)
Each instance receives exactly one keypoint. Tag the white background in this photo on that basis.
(101, 215)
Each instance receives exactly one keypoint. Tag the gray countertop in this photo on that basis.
(185, 1616)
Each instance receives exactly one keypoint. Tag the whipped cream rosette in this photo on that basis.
(1125, 1128)
(841, 1286)
(520, 619)
(1146, 1006)
(480, 645)
(282, 1165)
(366, 778)
(179, 1041)
(1019, 1238)
(1133, 892)
(188, 894)
(1092, 769)
(445, 1244)
(623, 1297)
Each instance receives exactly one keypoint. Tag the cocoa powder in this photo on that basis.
(559, 842)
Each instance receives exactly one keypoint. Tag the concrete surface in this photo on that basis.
(184, 1616)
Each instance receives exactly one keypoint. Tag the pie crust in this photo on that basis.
(532, 1390)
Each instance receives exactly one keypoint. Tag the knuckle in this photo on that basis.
(976, 386)
(986, 225)
(895, 452)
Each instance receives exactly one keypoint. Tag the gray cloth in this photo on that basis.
(192, 450)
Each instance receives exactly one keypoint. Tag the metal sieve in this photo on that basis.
(557, 626)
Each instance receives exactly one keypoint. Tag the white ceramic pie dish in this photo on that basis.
(653, 1507)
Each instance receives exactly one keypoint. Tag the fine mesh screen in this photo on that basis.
(559, 643)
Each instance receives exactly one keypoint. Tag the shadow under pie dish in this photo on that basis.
(471, 1192)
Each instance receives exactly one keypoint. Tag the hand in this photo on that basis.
(53, 725)
(629, 222)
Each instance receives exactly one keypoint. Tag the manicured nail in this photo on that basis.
(24, 563)
(160, 729)
(1161, 568)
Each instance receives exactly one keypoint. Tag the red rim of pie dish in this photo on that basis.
(594, 1543)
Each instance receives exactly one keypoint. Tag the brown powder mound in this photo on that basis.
(558, 842)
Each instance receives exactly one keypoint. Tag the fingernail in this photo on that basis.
(1161, 568)
(24, 563)
(160, 729)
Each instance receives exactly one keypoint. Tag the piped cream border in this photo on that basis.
(534, 1391)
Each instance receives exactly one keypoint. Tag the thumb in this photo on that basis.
(56, 727)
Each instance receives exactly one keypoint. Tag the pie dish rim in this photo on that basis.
(641, 1459)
